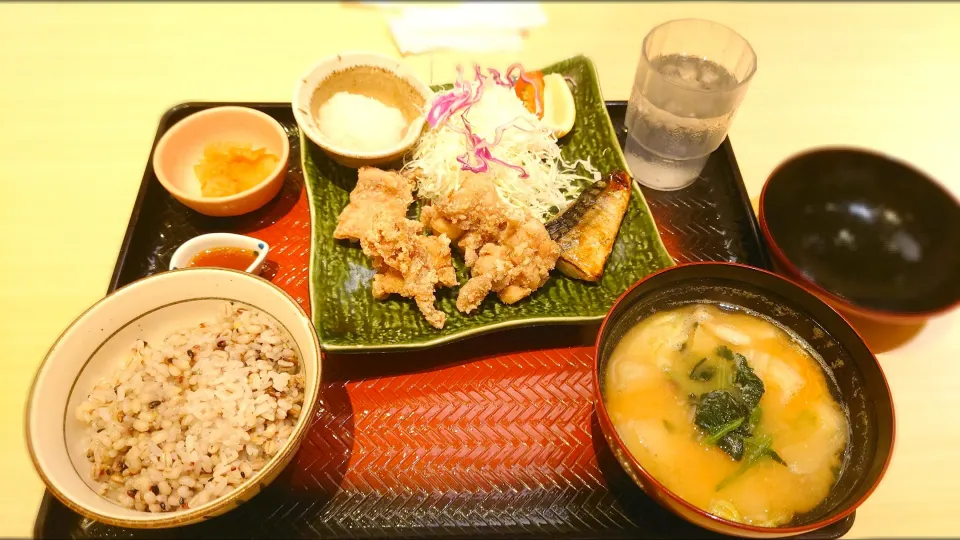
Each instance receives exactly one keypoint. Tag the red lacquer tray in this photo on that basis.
(492, 436)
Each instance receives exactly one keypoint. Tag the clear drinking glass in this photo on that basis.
(690, 80)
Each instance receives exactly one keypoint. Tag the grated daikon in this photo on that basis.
(361, 123)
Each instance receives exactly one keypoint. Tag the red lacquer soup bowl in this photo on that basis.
(860, 384)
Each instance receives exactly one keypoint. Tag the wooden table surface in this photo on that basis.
(82, 87)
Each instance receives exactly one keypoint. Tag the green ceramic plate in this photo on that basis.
(347, 316)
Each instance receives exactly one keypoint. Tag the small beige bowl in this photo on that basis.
(385, 79)
(96, 343)
(181, 148)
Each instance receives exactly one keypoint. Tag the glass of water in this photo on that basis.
(690, 80)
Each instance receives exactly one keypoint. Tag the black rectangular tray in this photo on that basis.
(712, 220)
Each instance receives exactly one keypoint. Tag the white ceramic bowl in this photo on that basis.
(380, 77)
(96, 343)
(186, 251)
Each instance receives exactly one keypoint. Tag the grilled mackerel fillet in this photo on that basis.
(586, 230)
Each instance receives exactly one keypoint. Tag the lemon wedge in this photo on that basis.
(559, 110)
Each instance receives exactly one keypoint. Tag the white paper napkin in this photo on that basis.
(471, 26)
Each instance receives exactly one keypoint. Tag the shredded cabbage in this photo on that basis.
(481, 127)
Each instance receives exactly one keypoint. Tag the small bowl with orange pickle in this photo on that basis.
(223, 161)
(221, 250)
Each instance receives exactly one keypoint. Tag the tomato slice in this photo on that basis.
(529, 89)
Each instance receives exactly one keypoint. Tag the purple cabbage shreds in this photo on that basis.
(481, 150)
(443, 106)
(498, 134)
(498, 79)
(472, 100)
(570, 80)
(440, 107)
(479, 94)
(484, 153)
(509, 73)
(482, 167)
(447, 104)
(472, 138)
(463, 97)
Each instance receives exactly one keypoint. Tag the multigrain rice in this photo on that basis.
(185, 421)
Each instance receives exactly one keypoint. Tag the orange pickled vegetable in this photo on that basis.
(228, 168)
(529, 89)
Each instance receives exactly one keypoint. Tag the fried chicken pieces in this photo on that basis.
(407, 263)
(508, 251)
(385, 192)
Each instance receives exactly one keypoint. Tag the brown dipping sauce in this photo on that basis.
(225, 257)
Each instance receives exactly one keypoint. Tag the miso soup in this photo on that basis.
(729, 412)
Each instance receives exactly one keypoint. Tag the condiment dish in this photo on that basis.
(198, 244)
(862, 387)
(873, 236)
(181, 148)
(95, 345)
(382, 78)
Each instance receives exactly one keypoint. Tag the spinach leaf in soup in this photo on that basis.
(755, 415)
(750, 386)
(718, 408)
(757, 447)
(703, 371)
(721, 414)
(729, 427)
(730, 414)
